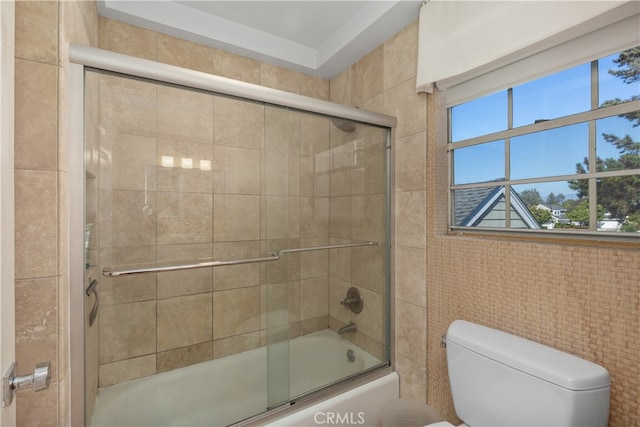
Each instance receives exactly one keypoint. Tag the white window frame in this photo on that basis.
(588, 116)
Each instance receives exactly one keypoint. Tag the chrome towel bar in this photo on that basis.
(319, 248)
(108, 272)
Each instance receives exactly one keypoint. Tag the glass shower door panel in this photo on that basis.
(178, 176)
(342, 173)
(278, 156)
(179, 182)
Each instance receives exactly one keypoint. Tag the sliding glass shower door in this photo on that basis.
(220, 233)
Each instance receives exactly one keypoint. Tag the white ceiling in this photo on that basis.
(320, 38)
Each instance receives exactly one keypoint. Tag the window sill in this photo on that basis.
(583, 238)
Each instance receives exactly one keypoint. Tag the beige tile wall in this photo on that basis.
(43, 31)
(357, 200)
(384, 81)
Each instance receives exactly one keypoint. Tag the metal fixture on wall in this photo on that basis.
(353, 301)
(11, 383)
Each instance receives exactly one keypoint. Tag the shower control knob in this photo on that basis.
(353, 301)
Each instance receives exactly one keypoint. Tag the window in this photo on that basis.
(558, 153)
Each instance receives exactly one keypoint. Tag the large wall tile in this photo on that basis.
(410, 332)
(184, 321)
(126, 370)
(370, 320)
(314, 87)
(118, 290)
(367, 76)
(411, 275)
(128, 39)
(236, 170)
(132, 164)
(185, 356)
(340, 88)
(184, 114)
(78, 24)
(188, 282)
(127, 106)
(314, 134)
(36, 31)
(237, 67)
(127, 330)
(126, 220)
(401, 49)
(413, 379)
(338, 292)
(235, 312)
(340, 262)
(411, 158)
(279, 78)
(368, 267)
(236, 276)
(197, 173)
(37, 323)
(314, 216)
(36, 115)
(185, 54)
(314, 298)
(368, 217)
(411, 219)
(276, 219)
(236, 344)
(36, 225)
(184, 218)
(38, 409)
(314, 263)
(277, 173)
(236, 217)
(238, 123)
(341, 225)
(402, 101)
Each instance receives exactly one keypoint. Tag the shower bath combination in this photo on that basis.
(263, 240)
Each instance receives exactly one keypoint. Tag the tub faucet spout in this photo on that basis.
(351, 327)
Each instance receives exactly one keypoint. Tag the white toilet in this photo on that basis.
(498, 379)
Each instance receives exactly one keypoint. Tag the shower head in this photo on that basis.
(344, 125)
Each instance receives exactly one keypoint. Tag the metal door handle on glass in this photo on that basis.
(11, 383)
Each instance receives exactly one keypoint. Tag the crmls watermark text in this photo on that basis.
(339, 418)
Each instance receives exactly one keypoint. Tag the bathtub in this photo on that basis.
(226, 390)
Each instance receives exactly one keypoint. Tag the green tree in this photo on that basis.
(570, 204)
(580, 213)
(619, 195)
(543, 216)
(631, 224)
(553, 199)
(531, 197)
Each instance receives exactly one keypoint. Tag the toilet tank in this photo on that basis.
(499, 379)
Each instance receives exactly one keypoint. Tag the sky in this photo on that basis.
(548, 153)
